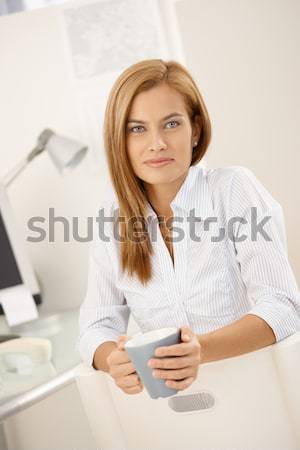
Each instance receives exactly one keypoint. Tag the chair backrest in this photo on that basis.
(249, 402)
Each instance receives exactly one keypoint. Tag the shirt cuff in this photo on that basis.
(87, 344)
(282, 318)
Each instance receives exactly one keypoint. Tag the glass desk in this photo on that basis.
(20, 390)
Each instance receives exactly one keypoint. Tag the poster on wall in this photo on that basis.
(101, 39)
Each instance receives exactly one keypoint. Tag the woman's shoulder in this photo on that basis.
(220, 180)
(239, 185)
(104, 215)
(229, 178)
(224, 176)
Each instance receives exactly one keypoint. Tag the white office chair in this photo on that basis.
(249, 402)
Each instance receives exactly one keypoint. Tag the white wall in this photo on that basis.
(36, 93)
(245, 58)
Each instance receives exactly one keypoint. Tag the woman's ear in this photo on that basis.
(197, 126)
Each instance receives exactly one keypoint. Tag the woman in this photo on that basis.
(222, 275)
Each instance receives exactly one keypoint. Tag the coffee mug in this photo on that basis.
(141, 347)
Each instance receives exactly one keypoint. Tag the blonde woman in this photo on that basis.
(200, 249)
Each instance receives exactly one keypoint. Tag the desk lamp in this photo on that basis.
(65, 153)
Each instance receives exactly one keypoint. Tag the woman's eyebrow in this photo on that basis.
(164, 118)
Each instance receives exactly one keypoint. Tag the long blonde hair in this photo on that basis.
(139, 77)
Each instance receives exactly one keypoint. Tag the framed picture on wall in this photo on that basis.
(101, 39)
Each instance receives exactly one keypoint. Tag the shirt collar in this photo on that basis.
(193, 194)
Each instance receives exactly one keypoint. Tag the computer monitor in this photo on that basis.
(15, 267)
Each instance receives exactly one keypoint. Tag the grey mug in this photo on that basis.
(141, 347)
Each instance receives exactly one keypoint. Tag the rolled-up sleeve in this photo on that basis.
(259, 237)
(104, 314)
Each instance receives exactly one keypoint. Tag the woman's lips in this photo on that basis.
(160, 163)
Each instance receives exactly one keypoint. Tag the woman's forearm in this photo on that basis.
(247, 334)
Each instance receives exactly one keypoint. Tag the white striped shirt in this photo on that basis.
(213, 282)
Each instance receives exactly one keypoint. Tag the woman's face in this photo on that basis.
(158, 126)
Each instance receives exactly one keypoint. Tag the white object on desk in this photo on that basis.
(18, 305)
(39, 350)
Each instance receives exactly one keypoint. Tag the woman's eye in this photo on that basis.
(173, 121)
(133, 129)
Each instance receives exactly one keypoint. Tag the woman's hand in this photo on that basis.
(180, 364)
(122, 370)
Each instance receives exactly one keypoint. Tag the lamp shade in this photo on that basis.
(65, 153)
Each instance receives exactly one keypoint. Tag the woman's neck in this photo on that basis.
(160, 196)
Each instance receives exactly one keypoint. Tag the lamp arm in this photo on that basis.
(20, 166)
(14, 172)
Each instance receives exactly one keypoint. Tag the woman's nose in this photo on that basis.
(157, 142)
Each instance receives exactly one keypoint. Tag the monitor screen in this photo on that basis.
(9, 272)
(15, 266)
